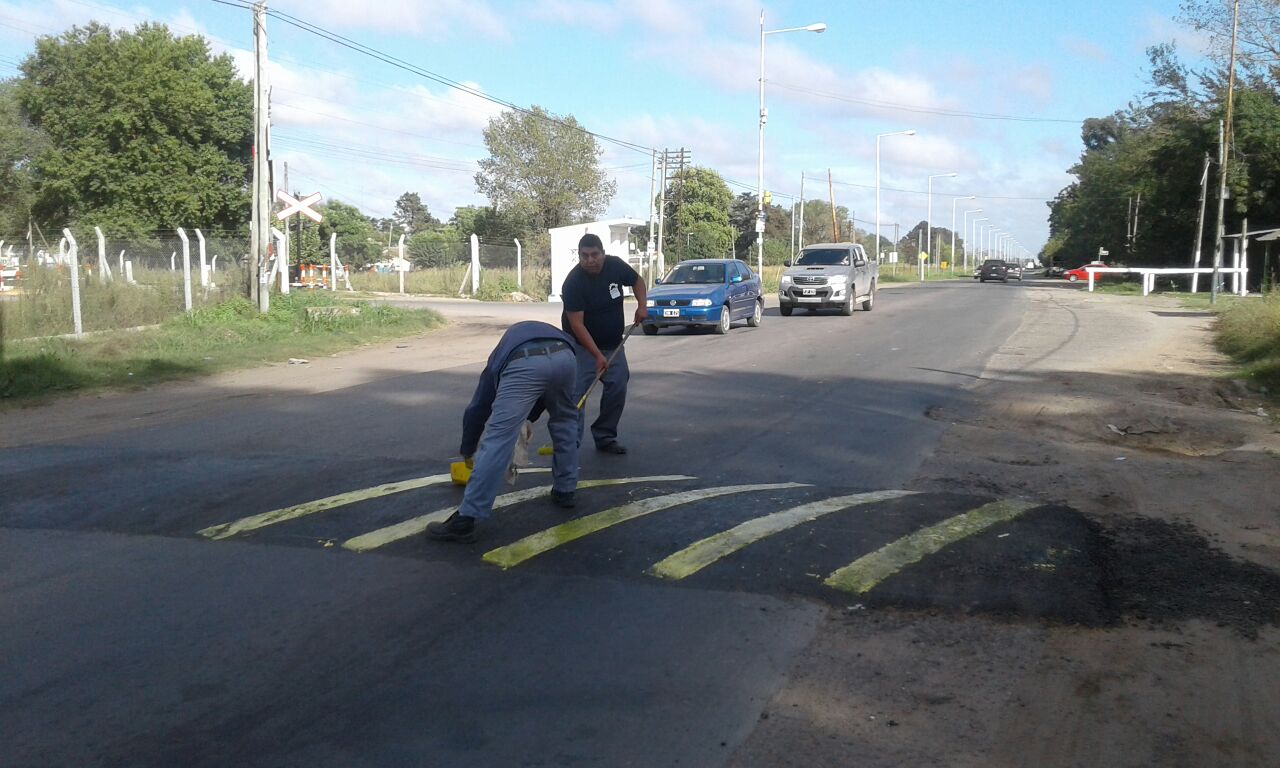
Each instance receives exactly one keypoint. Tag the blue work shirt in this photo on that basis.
(481, 405)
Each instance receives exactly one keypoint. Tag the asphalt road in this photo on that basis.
(140, 630)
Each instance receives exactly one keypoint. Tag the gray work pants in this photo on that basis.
(549, 379)
(613, 394)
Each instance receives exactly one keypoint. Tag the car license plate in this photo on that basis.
(808, 291)
(670, 313)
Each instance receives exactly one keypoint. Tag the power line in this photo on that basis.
(386, 58)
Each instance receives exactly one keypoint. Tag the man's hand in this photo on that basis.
(470, 461)
(602, 363)
(642, 312)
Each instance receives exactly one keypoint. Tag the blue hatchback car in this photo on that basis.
(706, 292)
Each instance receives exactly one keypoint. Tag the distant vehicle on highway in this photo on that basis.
(828, 276)
(1014, 271)
(1079, 273)
(1054, 271)
(705, 292)
(993, 269)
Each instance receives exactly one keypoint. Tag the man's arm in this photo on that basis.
(580, 333)
(642, 297)
(477, 412)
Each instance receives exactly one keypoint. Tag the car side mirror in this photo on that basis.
(736, 279)
(657, 281)
(786, 263)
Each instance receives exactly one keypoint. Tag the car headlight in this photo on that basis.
(785, 281)
(648, 302)
(700, 303)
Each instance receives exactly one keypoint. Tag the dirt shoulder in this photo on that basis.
(1115, 407)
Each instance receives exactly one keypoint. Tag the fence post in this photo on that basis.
(104, 269)
(475, 265)
(519, 271)
(400, 262)
(128, 271)
(121, 261)
(204, 265)
(173, 261)
(186, 268)
(333, 261)
(75, 281)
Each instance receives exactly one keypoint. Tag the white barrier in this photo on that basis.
(1149, 275)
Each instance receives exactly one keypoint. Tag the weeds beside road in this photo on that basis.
(218, 337)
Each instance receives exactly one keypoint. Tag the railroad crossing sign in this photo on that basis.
(293, 205)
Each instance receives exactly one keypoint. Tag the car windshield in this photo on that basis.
(693, 274)
(822, 257)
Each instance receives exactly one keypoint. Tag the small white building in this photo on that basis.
(614, 233)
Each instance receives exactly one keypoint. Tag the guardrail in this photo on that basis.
(1149, 275)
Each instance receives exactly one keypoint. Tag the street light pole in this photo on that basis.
(968, 243)
(977, 236)
(764, 116)
(909, 132)
(928, 221)
(953, 227)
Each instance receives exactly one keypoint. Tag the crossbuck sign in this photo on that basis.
(293, 205)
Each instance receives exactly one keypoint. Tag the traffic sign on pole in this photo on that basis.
(294, 205)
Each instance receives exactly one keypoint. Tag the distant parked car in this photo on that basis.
(706, 292)
(993, 269)
(1054, 271)
(1014, 271)
(1079, 273)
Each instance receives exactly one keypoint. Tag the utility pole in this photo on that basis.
(650, 251)
(260, 235)
(801, 239)
(662, 217)
(831, 197)
(1224, 142)
(1204, 191)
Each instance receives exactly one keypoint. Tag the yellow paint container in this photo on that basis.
(459, 472)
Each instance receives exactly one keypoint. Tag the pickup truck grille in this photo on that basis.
(809, 280)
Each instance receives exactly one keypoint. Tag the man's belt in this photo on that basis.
(538, 347)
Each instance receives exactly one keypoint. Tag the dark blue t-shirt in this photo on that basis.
(599, 299)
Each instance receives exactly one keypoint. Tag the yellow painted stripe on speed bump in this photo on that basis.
(254, 522)
(871, 569)
(415, 526)
(536, 544)
(702, 553)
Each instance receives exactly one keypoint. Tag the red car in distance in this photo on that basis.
(1079, 273)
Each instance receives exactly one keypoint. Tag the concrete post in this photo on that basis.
(74, 262)
(519, 271)
(333, 261)
(104, 269)
(204, 263)
(128, 272)
(475, 265)
(186, 268)
(400, 264)
(282, 258)
(121, 261)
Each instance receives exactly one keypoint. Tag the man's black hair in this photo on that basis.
(590, 241)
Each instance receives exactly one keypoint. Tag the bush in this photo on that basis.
(1249, 331)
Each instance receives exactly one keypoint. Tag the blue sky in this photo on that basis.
(665, 73)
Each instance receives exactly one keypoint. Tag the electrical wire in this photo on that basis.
(919, 109)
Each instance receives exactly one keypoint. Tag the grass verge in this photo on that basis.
(1249, 331)
(218, 337)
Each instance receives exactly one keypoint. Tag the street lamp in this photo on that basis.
(991, 240)
(953, 227)
(909, 132)
(928, 222)
(977, 236)
(764, 116)
(968, 244)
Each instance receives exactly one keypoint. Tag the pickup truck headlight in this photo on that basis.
(700, 303)
(648, 302)
(785, 281)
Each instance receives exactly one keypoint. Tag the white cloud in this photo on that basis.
(436, 19)
(1086, 49)
(602, 17)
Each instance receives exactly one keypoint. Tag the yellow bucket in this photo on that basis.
(459, 472)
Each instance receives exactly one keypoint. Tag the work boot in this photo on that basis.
(562, 499)
(456, 528)
(614, 447)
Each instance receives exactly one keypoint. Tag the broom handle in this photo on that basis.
(607, 363)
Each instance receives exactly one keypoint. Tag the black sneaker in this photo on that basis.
(562, 499)
(456, 528)
(614, 447)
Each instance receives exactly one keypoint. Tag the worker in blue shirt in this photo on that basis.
(532, 369)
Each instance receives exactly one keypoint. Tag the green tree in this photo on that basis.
(440, 247)
(698, 203)
(19, 144)
(358, 244)
(146, 131)
(411, 214)
(543, 169)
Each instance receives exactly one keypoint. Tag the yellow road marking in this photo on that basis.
(702, 553)
(871, 569)
(414, 526)
(536, 544)
(254, 522)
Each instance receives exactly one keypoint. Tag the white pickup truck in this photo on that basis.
(828, 276)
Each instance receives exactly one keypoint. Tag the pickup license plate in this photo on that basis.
(808, 291)
(670, 313)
